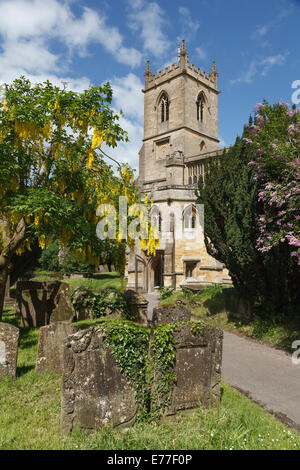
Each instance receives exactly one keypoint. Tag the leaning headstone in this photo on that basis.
(9, 341)
(94, 391)
(51, 345)
(170, 314)
(137, 305)
(196, 370)
(62, 312)
(38, 301)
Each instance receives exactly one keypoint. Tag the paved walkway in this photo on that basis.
(265, 374)
(153, 299)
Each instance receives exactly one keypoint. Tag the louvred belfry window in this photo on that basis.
(164, 108)
(200, 108)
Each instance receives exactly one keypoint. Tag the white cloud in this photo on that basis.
(260, 67)
(222, 143)
(29, 27)
(27, 35)
(127, 152)
(263, 30)
(269, 62)
(127, 95)
(201, 53)
(189, 26)
(148, 19)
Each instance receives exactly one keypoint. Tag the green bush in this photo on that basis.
(165, 292)
(49, 261)
(108, 302)
(268, 280)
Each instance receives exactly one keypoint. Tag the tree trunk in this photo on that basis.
(3, 280)
(7, 253)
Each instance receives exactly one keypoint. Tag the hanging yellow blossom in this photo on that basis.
(47, 131)
(97, 138)
(42, 241)
(90, 160)
(36, 220)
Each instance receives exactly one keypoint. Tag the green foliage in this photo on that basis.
(52, 173)
(108, 301)
(165, 292)
(232, 208)
(278, 331)
(129, 343)
(275, 138)
(210, 291)
(96, 282)
(49, 258)
(49, 261)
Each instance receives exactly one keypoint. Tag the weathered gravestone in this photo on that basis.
(51, 345)
(41, 303)
(237, 308)
(9, 341)
(137, 305)
(83, 300)
(94, 391)
(197, 368)
(170, 314)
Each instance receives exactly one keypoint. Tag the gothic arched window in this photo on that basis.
(164, 108)
(200, 107)
(189, 217)
(156, 220)
(202, 146)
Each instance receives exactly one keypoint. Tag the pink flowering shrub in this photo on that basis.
(275, 138)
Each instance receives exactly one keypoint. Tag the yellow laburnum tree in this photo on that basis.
(52, 174)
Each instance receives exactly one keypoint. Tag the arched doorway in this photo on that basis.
(140, 275)
(156, 278)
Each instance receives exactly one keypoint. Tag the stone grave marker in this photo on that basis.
(51, 344)
(9, 341)
(94, 391)
(170, 314)
(138, 305)
(197, 368)
(41, 303)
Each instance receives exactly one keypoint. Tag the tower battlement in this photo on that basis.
(183, 65)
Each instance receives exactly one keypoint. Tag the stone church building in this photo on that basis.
(180, 135)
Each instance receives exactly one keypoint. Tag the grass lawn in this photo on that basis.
(96, 282)
(30, 415)
(208, 305)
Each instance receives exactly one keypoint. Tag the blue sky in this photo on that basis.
(255, 45)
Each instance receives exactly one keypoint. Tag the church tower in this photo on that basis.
(180, 135)
(180, 115)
